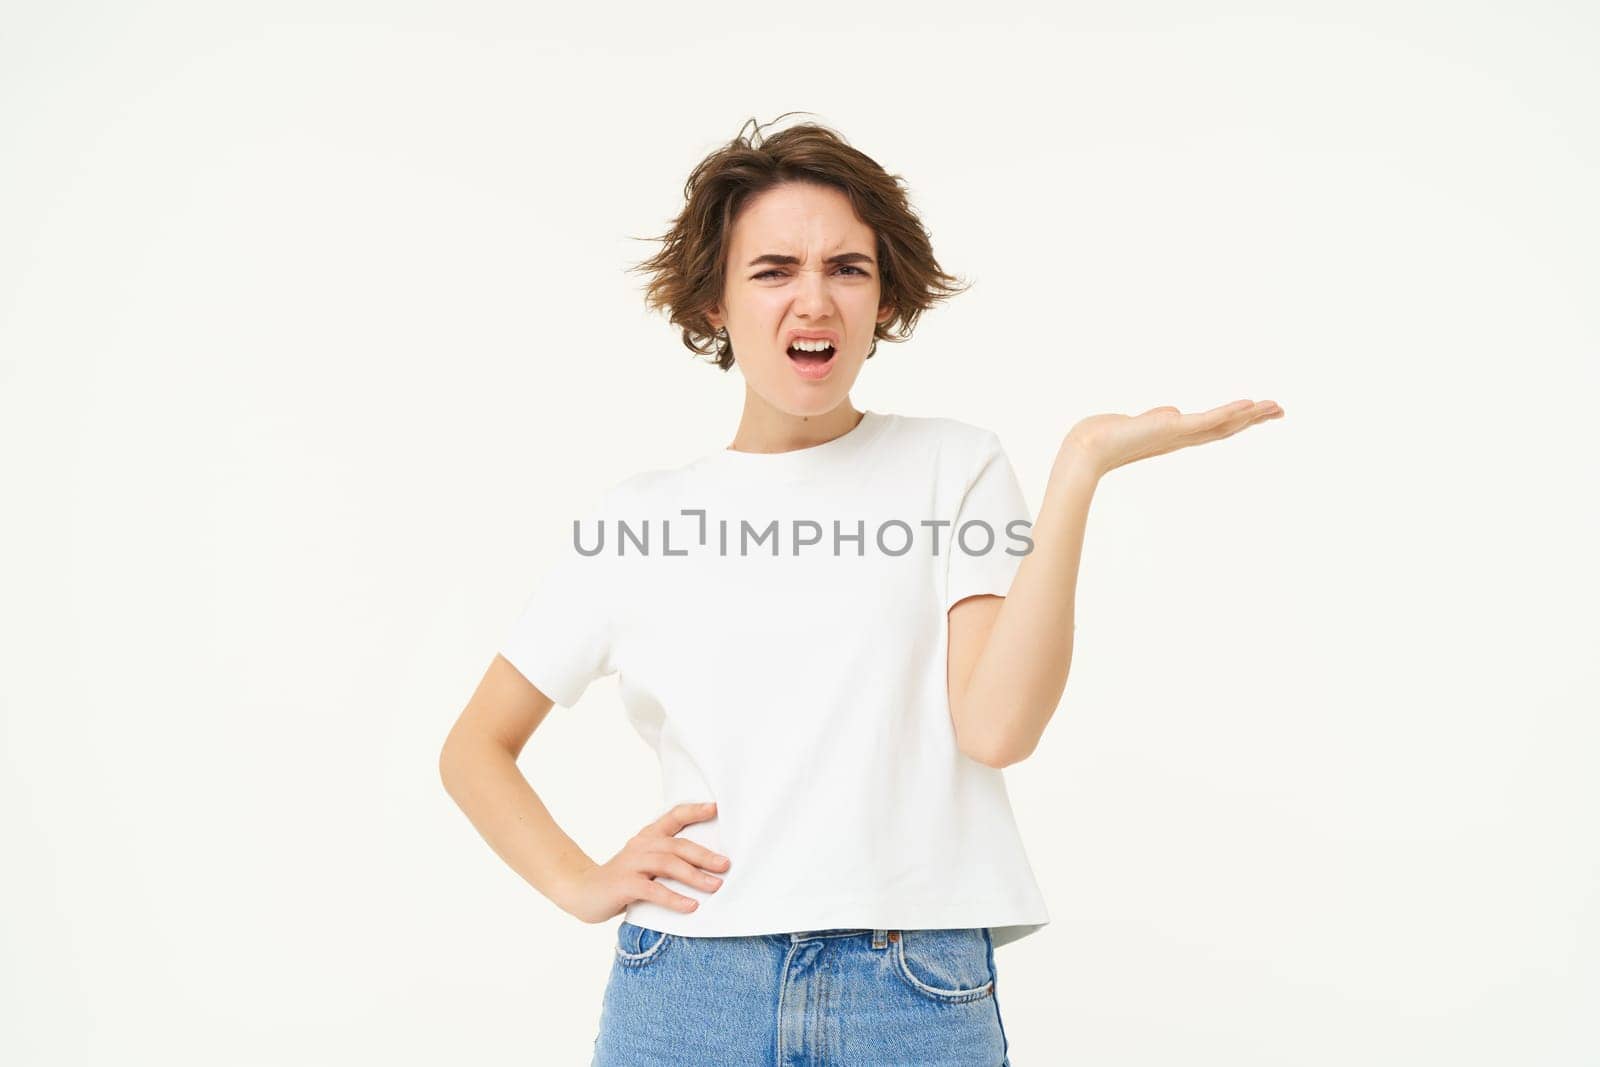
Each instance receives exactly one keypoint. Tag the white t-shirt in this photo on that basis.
(799, 679)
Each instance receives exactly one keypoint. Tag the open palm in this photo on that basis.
(1111, 441)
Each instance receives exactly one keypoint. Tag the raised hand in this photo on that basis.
(1111, 441)
(608, 888)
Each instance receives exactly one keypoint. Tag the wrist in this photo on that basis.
(1077, 464)
(563, 888)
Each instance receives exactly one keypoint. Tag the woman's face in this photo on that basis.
(800, 263)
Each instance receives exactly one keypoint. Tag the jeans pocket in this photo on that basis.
(946, 965)
(639, 945)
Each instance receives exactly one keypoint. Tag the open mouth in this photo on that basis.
(811, 359)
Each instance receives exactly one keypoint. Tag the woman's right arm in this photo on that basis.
(478, 765)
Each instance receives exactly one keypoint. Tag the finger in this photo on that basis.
(1229, 419)
(698, 854)
(1226, 412)
(680, 815)
(665, 863)
(1240, 422)
(656, 893)
(1203, 422)
(1263, 411)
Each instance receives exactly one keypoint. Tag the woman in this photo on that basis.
(835, 632)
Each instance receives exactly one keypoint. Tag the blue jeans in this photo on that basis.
(816, 998)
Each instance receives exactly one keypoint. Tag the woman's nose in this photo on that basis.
(812, 293)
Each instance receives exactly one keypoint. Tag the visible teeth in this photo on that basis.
(811, 346)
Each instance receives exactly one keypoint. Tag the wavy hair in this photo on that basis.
(687, 276)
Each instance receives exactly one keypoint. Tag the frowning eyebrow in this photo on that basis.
(789, 261)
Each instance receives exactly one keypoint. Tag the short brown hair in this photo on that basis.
(686, 277)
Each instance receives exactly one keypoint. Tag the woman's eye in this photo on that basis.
(770, 273)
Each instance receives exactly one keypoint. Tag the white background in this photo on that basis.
(316, 330)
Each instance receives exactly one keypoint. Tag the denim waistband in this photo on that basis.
(879, 937)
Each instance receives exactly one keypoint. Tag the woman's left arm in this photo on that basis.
(1009, 656)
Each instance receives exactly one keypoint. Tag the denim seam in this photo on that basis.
(952, 996)
(636, 959)
(783, 992)
(1005, 1042)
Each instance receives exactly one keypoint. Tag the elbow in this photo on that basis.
(466, 754)
(447, 764)
(988, 736)
(1009, 758)
(996, 754)
(455, 760)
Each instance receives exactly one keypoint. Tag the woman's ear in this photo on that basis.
(885, 313)
(714, 316)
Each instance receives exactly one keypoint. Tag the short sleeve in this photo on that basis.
(563, 638)
(984, 560)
